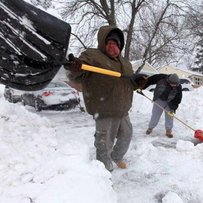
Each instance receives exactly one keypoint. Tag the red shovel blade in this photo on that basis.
(199, 134)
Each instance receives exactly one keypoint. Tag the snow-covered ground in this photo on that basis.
(50, 157)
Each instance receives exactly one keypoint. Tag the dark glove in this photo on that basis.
(172, 106)
(73, 64)
(139, 80)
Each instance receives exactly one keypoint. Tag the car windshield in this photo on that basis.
(56, 84)
(184, 81)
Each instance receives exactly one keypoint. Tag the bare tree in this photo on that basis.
(95, 13)
(152, 34)
(195, 25)
(44, 3)
(155, 30)
(135, 6)
(194, 19)
(163, 37)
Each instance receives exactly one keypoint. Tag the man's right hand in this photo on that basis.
(73, 64)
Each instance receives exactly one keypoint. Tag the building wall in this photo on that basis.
(170, 70)
(196, 78)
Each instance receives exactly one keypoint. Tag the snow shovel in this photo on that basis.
(102, 71)
(33, 45)
(198, 133)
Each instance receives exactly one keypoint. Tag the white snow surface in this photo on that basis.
(49, 157)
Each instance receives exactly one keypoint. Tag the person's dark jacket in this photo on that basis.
(105, 96)
(164, 91)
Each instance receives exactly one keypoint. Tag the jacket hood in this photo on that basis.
(104, 32)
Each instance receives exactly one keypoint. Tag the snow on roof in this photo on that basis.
(183, 70)
(139, 62)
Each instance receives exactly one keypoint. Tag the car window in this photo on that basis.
(184, 81)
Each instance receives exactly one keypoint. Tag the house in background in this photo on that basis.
(147, 68)
(195, 77)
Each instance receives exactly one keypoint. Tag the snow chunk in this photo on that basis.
(184, 145)
(172, 197)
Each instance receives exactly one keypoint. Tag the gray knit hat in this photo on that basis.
(173, 78)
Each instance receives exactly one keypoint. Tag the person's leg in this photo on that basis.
(124, 137)
(156, 114)
(168, 124)
(106, 131)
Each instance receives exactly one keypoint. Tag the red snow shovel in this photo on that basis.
(198, 133)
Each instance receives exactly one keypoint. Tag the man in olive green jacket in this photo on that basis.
(108, 99)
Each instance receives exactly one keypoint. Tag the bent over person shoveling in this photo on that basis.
(167, 97)
(107, 99)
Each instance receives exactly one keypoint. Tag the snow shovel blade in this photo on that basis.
(199, 134)
(33, 45)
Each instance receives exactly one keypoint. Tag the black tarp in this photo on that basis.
(33, 45)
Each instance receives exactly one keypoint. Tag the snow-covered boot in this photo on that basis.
(109, 166)
(169, 133)
(149, 131)
(121, 164)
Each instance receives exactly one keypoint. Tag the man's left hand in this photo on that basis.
(139, 80)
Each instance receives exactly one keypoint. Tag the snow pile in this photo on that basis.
(35, 168)
(50, 157)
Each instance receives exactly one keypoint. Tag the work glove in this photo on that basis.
(171, 113)
(73, 64)
(139, 80)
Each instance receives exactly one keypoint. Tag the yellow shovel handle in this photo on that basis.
(100, 70)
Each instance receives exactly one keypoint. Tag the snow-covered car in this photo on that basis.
(56, 96)
(12, 95)
(186, 83)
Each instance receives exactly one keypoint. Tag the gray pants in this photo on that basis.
(109, 130)
(156, 114)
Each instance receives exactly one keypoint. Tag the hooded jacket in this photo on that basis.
(163, 90)
(106, 96)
